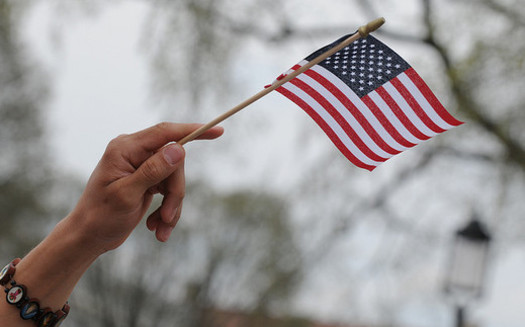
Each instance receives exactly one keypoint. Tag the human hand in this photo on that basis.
(120, 190)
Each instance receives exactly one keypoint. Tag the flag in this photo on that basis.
(368, 100)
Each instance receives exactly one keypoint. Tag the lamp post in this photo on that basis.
(467, 266)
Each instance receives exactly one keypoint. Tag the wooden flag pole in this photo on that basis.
(363, 31)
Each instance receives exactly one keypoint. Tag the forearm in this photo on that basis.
(50, 271)
(116, 197)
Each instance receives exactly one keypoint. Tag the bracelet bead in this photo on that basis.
(8, 272)
(30, 309)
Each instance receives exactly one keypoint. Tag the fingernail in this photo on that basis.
(174, 214)
(165, 234)
(173, 153)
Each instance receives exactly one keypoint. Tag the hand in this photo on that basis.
(119, 192)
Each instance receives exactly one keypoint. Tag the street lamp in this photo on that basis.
(467, 266)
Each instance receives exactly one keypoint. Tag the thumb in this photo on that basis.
(158, 167)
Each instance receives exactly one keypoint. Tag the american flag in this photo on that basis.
(368, 100)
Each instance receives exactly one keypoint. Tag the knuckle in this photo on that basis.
(180, 194)
(151, 171)
(116, 143)
(162, 126)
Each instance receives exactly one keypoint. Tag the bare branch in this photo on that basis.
(465, 99)
(511, 14)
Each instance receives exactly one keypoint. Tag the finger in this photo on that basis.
(157, 168)
(164, 230)
(154, 137)
(153, 220)
(174, 190)
(140, 146)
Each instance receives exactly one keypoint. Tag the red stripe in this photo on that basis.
(358, 115)
(420, 112)
(431, 98)
(386, 123)
(325, 127)
(338, 118)
(400, 114)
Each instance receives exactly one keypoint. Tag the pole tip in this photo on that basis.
(371, 26)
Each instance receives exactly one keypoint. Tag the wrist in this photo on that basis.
(60, 260)
(87, 233)
(82, 240)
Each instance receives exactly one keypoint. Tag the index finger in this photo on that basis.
(153, 138)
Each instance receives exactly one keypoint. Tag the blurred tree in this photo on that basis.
(232, 251)
(191, 46)
(26, 175)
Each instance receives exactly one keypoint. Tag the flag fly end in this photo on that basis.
(371, 26)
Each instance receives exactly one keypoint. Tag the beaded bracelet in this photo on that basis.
(30, 307)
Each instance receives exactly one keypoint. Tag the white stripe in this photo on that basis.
(354, 124)
(336, 128)
(422, 101)
(362, 107)
(407, 110)
(389, 114)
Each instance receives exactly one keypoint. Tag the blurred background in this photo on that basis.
(278, 228)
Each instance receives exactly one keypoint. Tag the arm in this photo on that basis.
(133, 168)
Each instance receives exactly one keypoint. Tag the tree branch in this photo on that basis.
(465, 99)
